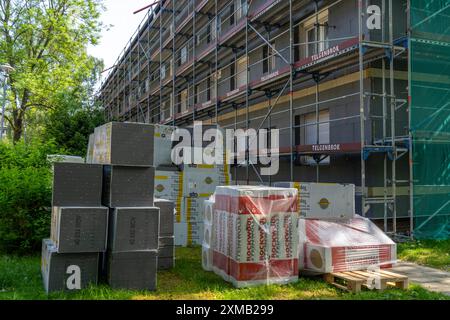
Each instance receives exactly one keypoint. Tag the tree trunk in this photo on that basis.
(18, 126)
(19, 115)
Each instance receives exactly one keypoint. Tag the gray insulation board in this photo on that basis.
(133, 229)
(56, 268)
(131, 144)
(77, 184)
(166, 217)
(77, 229)
(125, 186)
(133, 270)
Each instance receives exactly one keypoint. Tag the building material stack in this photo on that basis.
(166, 251)
(199, 183)
(126, 151)
(255, 235)
(332, 238)
(356, 244)
(70, 259)
(189, 185)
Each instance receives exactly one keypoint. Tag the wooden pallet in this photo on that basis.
(353, 281)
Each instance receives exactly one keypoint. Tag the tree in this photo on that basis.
(45, 41)
(69, 126)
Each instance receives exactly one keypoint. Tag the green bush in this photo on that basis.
(25, 196)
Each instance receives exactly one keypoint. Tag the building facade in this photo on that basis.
(325, 73)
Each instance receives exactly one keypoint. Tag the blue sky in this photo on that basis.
(118, 14)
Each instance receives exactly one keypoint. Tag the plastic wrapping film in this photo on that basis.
(255, 235)
(357, 244)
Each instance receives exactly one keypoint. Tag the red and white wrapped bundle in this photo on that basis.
(255, 236)
(357, 244)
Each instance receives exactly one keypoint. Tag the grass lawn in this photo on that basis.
(20, 279)
(430, 253)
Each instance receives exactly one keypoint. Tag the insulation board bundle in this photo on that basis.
(133, 270)
(67, 271)
(255, 235)
(133, 229)
(329, 201)
(332, 246)
(128, 186)
(79, 229)
(166, 250)
(77, 185)
(133, 144)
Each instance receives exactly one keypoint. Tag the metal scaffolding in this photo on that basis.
(176, 66)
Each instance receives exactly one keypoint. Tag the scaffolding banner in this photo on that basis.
(430, 116)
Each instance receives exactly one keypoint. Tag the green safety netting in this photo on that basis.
(430, 117)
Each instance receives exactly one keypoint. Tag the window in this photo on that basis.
(232, 76)
(273, 57)
(213, 27)
(241, 11)
(166, 108)
(196, 94)
(208, 89)
(184, 100)
(269, 58)
(163, 71)
(204, 36)
(297, 47)
(231, 14)
(241, 72)
(184, 55)
(310, 133)
(265, 59)
(316, 42)
(311, 128)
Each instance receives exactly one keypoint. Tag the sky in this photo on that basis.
(123, 23)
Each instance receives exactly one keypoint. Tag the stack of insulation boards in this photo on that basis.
(255, 235)
(332, 238)
(339, 246)
(150, 137)
(188, 189)
(127, 152)
(166, 250)
(70, 258)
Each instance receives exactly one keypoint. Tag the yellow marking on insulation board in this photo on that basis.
(188, 220)
(179, 197)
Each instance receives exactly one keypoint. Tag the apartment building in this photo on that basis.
(332, 80)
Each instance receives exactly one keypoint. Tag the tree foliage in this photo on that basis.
(45, 41)
(25, 195)
(70, 126)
